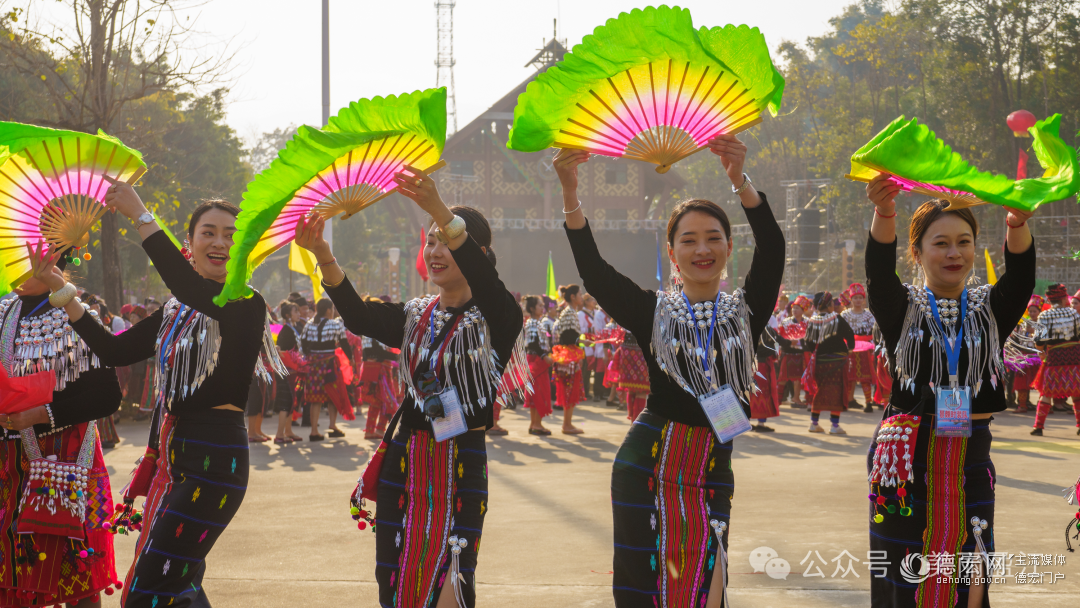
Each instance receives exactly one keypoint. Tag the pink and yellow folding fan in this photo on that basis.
(648, 86)
(340, 169)
(52, 189)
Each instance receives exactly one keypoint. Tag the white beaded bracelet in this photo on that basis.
(52, 421)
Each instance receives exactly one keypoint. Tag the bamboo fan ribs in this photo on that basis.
(338, 170)
(648, 86)
(660, 113)
(918, 161)
(52, 188)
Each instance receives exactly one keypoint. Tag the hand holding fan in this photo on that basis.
(920, 162)
(52, 188)
(339, 169)
(648, 86)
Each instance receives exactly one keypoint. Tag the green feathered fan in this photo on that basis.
(648, 86)
(920, 162)
(339, 169)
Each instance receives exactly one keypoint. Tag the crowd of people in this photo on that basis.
(691, 365)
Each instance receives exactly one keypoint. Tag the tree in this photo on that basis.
(106, 55)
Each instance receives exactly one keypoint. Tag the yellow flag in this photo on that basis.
(991, 276)
(303, 261)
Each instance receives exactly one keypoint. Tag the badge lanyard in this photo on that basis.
(707, 340)
(952, 349)
(726, 416)
(952, 405)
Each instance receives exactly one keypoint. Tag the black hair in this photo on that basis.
(285, 309)
(478, 228)
(530, 303)
(569, 291)
(701, 206)
(322, 306)
(219, 204)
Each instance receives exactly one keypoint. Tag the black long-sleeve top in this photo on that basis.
(385, 322)
(888, 298)
(94, 394)
(287, 338)
(325, 336)
(633, 307)
(377, 352)
(843, 341)
(241, 324)
(770, 343)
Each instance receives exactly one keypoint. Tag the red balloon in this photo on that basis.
(1020, 121)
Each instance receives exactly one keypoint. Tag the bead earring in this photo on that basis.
(186, 252)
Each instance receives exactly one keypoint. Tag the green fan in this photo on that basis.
(52, 189)
(649, 87)
(919, 162)
(339, 169)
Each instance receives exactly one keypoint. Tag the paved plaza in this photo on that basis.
(547, 538)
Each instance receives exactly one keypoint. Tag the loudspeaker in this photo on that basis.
(809, 235)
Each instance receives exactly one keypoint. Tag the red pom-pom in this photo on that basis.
(108, 590)
(901, 492)
(118, 585)
(880, 500)
(119, 508)
(361, 525)
(363, 513)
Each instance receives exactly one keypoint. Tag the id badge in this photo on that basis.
(725, 414)
(452, 423)
(953, 412)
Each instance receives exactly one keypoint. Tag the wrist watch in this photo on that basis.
(144, 219)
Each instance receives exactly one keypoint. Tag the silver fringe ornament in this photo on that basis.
(675, 332)
(43, 342)
(980, 335)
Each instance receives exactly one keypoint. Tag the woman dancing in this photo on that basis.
(432, 494)
(206, 357)
(538, 351)
(672, 483)
(39, 569)
(936, 497)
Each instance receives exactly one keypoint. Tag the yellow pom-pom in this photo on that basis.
(41, 556)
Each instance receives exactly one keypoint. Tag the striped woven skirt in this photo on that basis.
(62, 577)
(429, 492)
(1059, 374)
(953, 480)
(200, 482)
(862, 366)
(668, 482)
(827, 378)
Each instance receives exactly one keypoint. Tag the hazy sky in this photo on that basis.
(388, 47)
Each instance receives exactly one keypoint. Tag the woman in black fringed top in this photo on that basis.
(672, 482)
(205, 358)
(931, 506)
(432, 490)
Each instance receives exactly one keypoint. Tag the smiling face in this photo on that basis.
(211, 242)
(858, 302)
(701, 248)
(946, 252)
(442, 268)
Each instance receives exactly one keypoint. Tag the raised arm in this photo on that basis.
(500, 309)
(1009, 296)
(885, 293)
(762, 283)
(134, 345)
(379, 320)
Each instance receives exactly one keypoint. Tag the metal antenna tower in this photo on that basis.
(444, 61)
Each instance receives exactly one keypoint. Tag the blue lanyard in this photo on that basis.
(163, 354)
(705, 363)
(36, 308)
(952, 350)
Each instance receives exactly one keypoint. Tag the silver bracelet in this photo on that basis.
(746, 182)
(451, 230)
(62, 296)
(565, 212)
(48, 409)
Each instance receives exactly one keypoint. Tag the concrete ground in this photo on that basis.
(547, 538)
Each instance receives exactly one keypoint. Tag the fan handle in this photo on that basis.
(428, 171)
